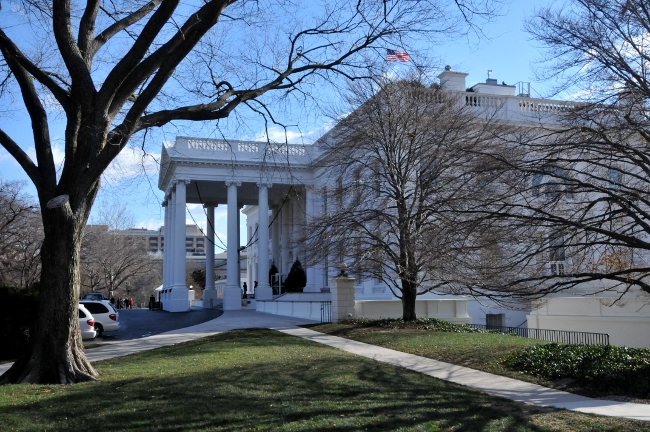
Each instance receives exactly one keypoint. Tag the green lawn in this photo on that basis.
(266, 380)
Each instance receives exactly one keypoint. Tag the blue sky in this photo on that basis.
(507, 51)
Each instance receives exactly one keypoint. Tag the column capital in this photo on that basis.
(233, 182)
(164, 203)
(177, 181)
(210, 204)
(267, 184)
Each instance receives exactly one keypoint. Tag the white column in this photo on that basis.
(275, 236)
(311, 286)
(232, 293)
(209, 294)
(169, 247)
(169, 239)
(284, 238)
(239, 284)
(264, 291)
(296, 227)
(178, 300)
(179, 235)
(165, 205)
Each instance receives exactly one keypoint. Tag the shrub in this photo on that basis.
(417, 324)
(296, 279)
(603, 368)
(18, 309)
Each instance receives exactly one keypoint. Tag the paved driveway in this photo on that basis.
(139, 323)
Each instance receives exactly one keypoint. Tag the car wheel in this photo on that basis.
(99, 329)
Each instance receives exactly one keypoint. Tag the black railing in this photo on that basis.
(559, 336)
(326, 311)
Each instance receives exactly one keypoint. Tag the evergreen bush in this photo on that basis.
(18, 311)
(296, 279)
(603, 368)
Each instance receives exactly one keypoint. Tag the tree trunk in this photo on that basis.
(409, 294)
(57, 352)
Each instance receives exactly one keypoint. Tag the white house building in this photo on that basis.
(281, 192)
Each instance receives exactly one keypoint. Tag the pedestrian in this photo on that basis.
(244, 290)
(152, 301)
(131, 303)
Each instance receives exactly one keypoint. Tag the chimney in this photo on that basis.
(452, 81)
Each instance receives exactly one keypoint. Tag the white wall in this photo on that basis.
(449, 310)
(627, 323)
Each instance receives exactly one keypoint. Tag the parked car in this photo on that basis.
(94, 296)
(86, 323)
(105, 314)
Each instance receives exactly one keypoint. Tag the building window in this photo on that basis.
(339, 192)
(557, 253)
(614, 177)
(537, 184)
(357, 186)
(557, 268)
(495, 320)
(556, 247)
(327, 272)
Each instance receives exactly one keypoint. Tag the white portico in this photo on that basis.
(235, 173)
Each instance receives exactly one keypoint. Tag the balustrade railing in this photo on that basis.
(545, 106)
(484, 101)
(241, 146)
(559, 336)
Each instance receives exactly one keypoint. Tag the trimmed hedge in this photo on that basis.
(603, 368)
(416, 324)
(18, 309)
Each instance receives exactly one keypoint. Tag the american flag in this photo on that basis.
(393, 55)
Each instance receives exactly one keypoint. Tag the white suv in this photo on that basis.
(106, 316)
(86, 323)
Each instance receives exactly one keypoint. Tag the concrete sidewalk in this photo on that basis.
(493, 384)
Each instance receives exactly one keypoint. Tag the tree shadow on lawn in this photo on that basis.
(263, 380)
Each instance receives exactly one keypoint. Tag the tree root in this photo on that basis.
(31, 369)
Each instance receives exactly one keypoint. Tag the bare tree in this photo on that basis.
(116, 68)
(396, 170)
(112, 257)
(577, 191)
(21, 236)
(113, 261)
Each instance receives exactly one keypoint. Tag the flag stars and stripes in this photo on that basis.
(394, 55)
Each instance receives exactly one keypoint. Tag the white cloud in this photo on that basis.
(131, 162)
(6, 157)
(150, 224)
(58, 155)
(277, 134)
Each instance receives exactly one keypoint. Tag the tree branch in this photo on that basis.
(74, 60)
(21, 157)
(121, 73)
(9, 49)
(40, 127)
(87, 29)
(122, 24)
